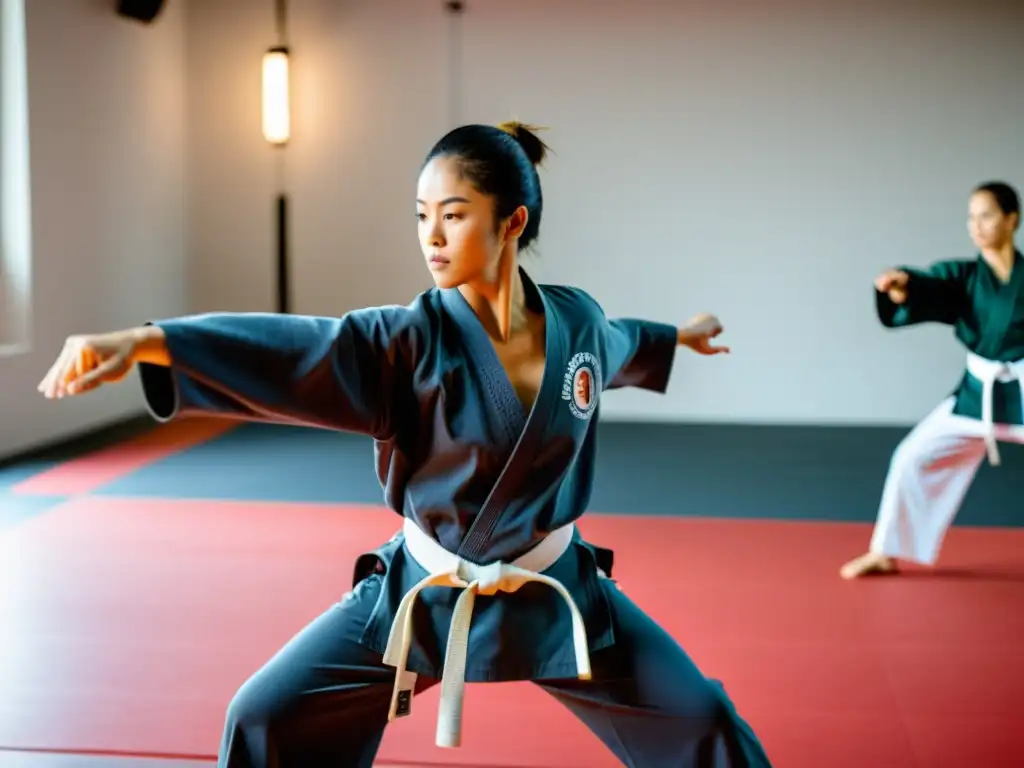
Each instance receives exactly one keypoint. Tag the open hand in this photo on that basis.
(88, 361)
(893, 282)
(698, 332)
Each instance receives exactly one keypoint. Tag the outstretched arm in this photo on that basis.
(337, 373)
(907, 296)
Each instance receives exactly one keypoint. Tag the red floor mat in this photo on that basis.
(126, 625)
(89, 472)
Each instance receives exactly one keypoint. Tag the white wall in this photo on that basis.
(760, 160)
(106, 152)
(759, 163)
(368, 92)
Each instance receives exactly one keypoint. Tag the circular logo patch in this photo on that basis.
(582, 384)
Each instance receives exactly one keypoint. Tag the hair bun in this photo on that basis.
(535, 149)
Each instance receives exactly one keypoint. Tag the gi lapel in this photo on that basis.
(532, 426)
(1005, 295)
(512, 416)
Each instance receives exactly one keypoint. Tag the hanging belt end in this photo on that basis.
(583, 669)
(449, 731)
(993, 451)
(401, 695)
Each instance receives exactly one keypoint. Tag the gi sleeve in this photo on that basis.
(335, 373)
(639, 353)
(934, 295)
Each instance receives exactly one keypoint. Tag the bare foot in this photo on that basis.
(866, 565)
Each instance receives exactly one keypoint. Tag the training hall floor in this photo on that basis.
(147, 571)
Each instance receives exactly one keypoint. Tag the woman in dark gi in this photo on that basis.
(482, 397)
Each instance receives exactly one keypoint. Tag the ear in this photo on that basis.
(516, 223)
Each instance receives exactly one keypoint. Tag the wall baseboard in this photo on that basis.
(736, 471)
(774, 471)
(81, 443)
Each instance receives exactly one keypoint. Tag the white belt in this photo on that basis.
(446, 569)
(988, 372)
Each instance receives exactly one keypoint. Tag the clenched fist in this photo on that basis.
(893, 282)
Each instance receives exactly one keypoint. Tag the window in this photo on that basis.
(15, 189)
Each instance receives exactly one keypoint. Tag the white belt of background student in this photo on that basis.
(446, 569)
(988, 372)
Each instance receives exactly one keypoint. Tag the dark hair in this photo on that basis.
(1005, 196)
(500, 161)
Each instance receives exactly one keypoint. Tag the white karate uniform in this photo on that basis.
(933, 468)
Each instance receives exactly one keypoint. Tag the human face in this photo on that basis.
(456, 226)
(988, 226)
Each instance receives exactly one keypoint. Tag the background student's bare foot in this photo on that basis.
(868, 564)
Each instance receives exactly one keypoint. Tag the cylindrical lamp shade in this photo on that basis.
(276, 117)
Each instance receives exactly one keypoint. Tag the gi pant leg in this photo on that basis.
(321, 701)
(651, 705)
(929, 475)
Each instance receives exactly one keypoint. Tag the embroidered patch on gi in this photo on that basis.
(581, 384)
